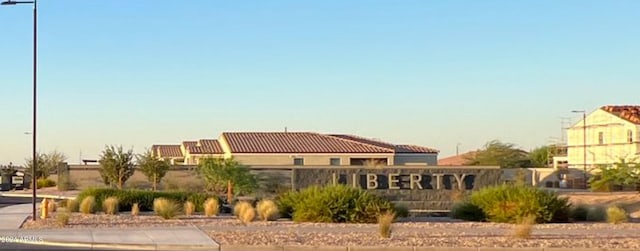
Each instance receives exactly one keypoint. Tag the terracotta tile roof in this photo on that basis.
(170, 151)
(206, 146)
(395, 148)
(414, 149)
(457, 160)
(630, 113)
(295, 142)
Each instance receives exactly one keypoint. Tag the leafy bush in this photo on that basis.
(88, 205)
(508, 203)
(211, 207)
(44, 182)
(189, 208)
(144, 198)
(267, 210)
(333, 204)
(579, 213)
(467, 211)
(616, 215)
(597, 214)
(165, 208)
(401, 211)
(384, 224)
(110, 205)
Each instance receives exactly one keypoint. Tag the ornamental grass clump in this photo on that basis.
(72, 205)
(189, 208)
(166, 208)
(110, 205)
(88, 205)
(616, 215)
(211, 207)
(63, 218)
(385, 222)
(524, 226)
(268, 210)
(244, 211)
(135, 209)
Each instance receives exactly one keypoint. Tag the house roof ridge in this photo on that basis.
(359, 142)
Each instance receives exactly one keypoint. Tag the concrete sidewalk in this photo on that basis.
(166, 238)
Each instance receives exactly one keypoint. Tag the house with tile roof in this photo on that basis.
(298, 148)
(612, 132)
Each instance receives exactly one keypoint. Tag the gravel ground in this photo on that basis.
(418, 232)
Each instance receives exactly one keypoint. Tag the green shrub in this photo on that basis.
(616, 215)
(165, 208)
(401, 211)
(286, 202)
(144, 198)
(468, 212)
(333, 204)
(597, 214)
(509, 203)
(579, 213)
(88, 205)
(42, 182)
(110, 205)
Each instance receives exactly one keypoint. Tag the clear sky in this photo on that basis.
(432, 73)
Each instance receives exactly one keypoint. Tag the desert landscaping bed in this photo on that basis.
(227, 230)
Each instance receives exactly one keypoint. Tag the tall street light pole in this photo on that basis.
(35, 73)
(584, 145)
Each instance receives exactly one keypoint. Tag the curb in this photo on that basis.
(407, 248)
(48, 196)
(100, 246)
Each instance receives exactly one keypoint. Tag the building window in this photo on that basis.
(334, 161)
(630, 136)
(600, 138)
(298, 162)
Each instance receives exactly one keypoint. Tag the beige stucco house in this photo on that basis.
(298, 149)
(612, 132)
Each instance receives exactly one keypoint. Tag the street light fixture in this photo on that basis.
(35, 71)
(584, 144)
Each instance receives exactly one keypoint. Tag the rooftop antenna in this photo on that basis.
(564, 124)
(458, 149)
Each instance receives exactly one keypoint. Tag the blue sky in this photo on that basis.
(432, 73)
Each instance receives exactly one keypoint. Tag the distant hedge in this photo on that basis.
(144, 198)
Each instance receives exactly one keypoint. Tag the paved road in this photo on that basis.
(8, 201)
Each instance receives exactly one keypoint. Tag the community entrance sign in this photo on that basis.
(419, 188)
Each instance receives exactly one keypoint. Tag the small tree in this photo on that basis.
(116, 166)
(46, 163)
(217, 172)
(152, 167)
(496, 153)
(622, 173)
